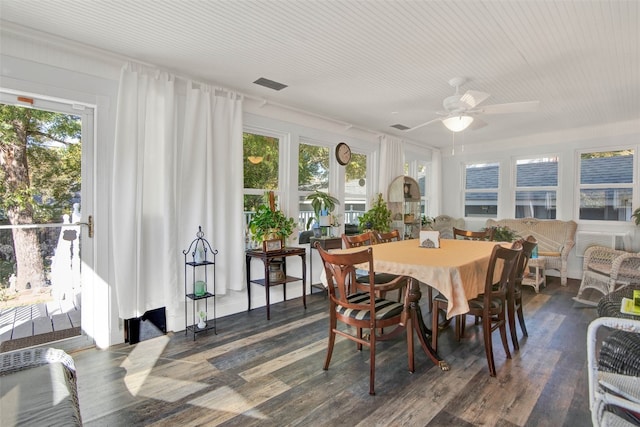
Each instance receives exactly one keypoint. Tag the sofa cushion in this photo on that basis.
(38, 396)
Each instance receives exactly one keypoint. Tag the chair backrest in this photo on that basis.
(392, 236)
(527, 249)
(508, 257)
(486, 234)
(340, 272)
(364, 239)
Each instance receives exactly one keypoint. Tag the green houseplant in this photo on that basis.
(636, 215)
(320, 202)
(504, 234)
(270, 224)
(378, 218)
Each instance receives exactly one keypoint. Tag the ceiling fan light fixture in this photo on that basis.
(457, 123)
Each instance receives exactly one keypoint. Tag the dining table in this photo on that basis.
(457, 269)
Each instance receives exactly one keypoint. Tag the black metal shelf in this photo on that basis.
(196, 261)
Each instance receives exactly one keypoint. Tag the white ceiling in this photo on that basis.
(372, 64)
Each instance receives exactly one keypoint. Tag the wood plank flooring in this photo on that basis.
(256, 372)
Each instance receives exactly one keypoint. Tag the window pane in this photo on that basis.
(536, 204)
(615, 167)
(608, 204)
(537, 173)
(355, 189)
(481, 204)
(482, 176)
(313, 168)
(261, 160)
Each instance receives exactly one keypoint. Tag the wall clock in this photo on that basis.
(343, 153)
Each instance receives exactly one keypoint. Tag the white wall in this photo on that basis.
(42, 66)
(565, 146)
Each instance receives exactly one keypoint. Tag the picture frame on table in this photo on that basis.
(272, 245)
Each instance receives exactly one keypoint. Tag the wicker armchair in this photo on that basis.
(614, 397)
(606, 270)
(38, 411)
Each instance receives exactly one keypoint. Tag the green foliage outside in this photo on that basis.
(40, 158)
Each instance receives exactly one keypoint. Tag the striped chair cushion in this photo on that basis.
(385, 309)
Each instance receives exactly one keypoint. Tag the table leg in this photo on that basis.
(248, 270)
(303, 257)
(417, 323)
(266, 286)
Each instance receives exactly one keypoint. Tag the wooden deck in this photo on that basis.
(39, 323)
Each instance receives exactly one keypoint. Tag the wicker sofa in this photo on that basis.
(37, 388)
(555, 239)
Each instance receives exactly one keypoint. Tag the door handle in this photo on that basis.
(89, 224)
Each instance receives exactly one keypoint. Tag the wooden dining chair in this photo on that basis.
(490, 306)
(486, 234)
(514, 299)
(367, 239)
(391, 236)
(359, 309)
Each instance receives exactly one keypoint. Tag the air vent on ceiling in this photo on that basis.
(400, 127)
(270, 84)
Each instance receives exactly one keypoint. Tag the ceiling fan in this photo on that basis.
(460, 109)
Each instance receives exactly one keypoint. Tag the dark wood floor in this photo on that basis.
(269, 373)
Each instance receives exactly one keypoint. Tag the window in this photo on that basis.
(420, 170)
(536, 188)
(606, 185)
(355, 189)
(313, 174)
(261, 172)
(481, 189)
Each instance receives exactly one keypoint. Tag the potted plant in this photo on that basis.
(378, 218)
(203, 320)
(269, 224)
(636, 215)
(504, 234)
(322, 203)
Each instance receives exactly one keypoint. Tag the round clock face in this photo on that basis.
(343, 153)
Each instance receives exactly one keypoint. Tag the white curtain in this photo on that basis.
(211, 180)
(436, 183)
(143, 217)
(391, 162)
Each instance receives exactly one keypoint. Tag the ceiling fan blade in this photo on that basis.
(424, 124)
(472, 98)
(513, 107)
(477, 124)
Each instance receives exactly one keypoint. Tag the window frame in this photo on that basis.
(634, 184)
(514, 177)
(497, 190)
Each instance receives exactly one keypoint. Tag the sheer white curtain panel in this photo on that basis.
(211, 179)
(391, 162)
(143, 217)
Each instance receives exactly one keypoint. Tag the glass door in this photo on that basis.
(45, 198)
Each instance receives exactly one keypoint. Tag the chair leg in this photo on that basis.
(503, 335)
(511, 316)
(488, 345)
(430, 298)
(521, 319)
(359, 333)
(372, 363)
(409, 328)
(332, 341)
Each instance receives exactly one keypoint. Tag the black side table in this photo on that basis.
(276, 257)
(325, 243)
